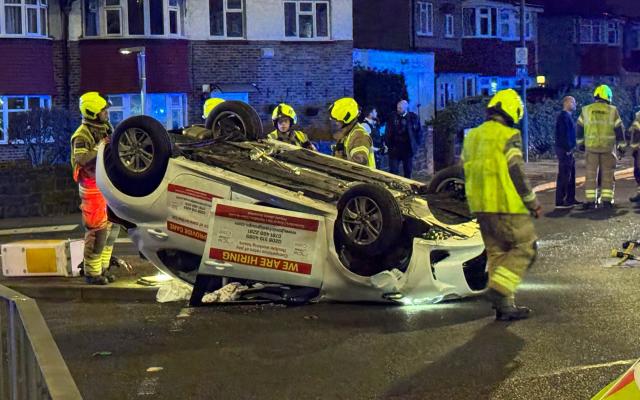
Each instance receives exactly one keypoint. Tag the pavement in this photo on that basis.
(583, 333)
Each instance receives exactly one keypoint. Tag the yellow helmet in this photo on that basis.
(92, 103)
(603, 92)
(345, 110)
(209, 105)
(508, 104)
(284, 110)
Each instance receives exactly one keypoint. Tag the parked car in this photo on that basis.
(377, 237)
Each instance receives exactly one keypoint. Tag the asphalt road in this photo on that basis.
(583, 333)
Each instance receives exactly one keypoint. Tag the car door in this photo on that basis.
(265, 244)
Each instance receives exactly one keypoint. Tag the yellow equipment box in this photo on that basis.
(42, 257)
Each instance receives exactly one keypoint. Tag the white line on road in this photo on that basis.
(622, 174)
(577, 368)
(38, 229)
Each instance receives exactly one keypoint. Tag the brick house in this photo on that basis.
(472, 42)
(591, 42)
(259, 51)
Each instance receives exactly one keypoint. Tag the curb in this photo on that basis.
(84, 293)
(544, 187)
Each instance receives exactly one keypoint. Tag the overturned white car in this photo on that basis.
(219, 203)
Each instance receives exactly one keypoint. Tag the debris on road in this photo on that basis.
(101, 354)
(154, 369)
(174, 291)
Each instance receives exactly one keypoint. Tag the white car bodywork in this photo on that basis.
(421, 282)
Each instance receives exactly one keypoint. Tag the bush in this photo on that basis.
(453, 120)
(46, 134)
(382, 89)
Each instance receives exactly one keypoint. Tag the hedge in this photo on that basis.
(451, 122)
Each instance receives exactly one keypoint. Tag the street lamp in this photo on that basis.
(142, 72)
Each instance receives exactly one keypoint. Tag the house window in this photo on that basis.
(480, 21)
(424, 13)
(448, 26)
(175, 19)
(592, 31)
(469, 87)
(23, 17)
(226, 18)
(228, 96)
(168, 108)
(613, 33)
(132, 17)
(10, 106)
(446, 95)
(306, 19)
(488, 86)
(113, 15)
(510, 24)
(635, 39)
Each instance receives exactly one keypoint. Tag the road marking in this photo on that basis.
(622, 174)
(38, 229)
(577, 368)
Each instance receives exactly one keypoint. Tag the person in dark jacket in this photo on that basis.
(565, 145)
(403, 138)
(370, 124)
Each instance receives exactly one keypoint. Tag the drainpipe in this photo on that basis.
(65, 8)
(412, 34)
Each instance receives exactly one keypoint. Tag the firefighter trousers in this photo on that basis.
(100, 234)
(603, 164)
(510, 242)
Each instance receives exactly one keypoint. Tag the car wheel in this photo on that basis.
(235, 121)
(137, 157)
(369, 219)
(449, 180)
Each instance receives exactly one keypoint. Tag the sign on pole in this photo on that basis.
(522, 56)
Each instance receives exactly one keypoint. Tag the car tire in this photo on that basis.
(449, 180)
(138, 154)
(369, 219)
(235, 121)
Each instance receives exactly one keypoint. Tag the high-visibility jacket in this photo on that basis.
(600, 122)
(297, 138)
(83, 148)
(489, 187)
(357, 141)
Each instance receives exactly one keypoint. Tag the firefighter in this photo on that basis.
(100, 234)
(634, 141)
(600, 132)
(500, 195)
(284, 118)
(209, 105)
(353, 141)
(198, 131)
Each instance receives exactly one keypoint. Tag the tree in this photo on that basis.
(46, 133)
(382, 89)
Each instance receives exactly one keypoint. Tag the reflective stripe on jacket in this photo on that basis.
(359, 141)
(83, 146)
(298, 138)
(486, 156)
(600, 121)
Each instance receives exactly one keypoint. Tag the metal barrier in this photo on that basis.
(31, 366)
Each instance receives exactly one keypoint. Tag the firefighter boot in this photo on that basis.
(506, 309)
(107, 273)
(96, 280)
(588, 205)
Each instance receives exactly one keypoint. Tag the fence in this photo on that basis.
(31, 366)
